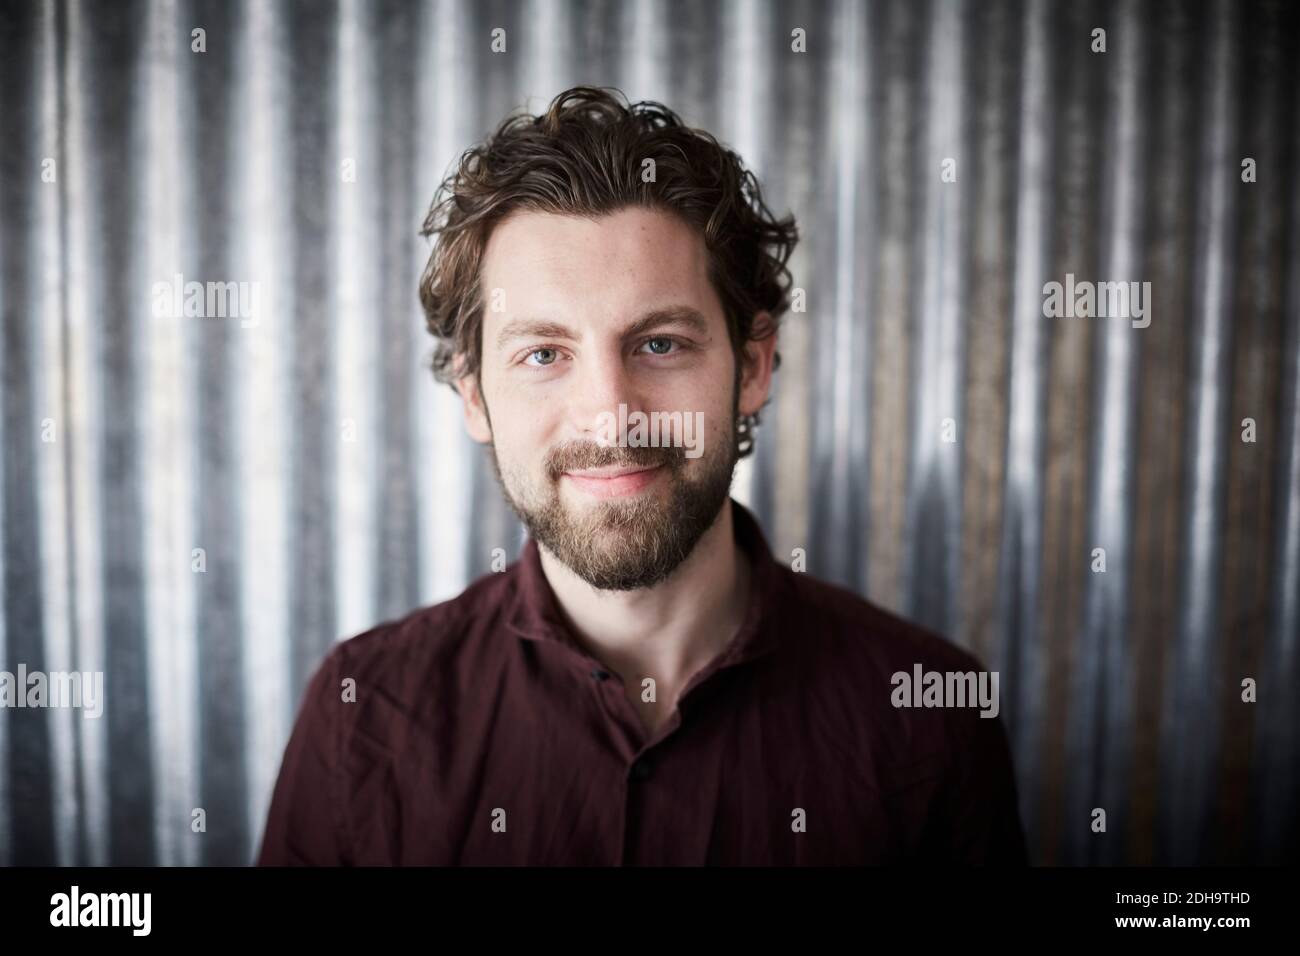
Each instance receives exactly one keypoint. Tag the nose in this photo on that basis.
(603, 382)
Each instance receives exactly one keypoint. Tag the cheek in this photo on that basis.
(720, 428)
(715, 426)
(522, 431)
(525, 400)
(513, 439)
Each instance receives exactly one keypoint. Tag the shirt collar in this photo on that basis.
(535, 612)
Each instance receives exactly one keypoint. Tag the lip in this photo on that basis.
(613, 482)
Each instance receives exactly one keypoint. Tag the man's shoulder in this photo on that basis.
(847, 624)
(409, 650)
(923, 697)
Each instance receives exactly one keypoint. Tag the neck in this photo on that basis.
(668, 631)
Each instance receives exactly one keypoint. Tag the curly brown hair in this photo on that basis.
(584, 156)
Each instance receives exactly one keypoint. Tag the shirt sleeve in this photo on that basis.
(985, 818)
(306, 824)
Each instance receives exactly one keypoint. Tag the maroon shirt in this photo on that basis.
(482, 733)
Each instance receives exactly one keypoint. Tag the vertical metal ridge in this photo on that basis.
(117, 129)
(262, 373)
(1255, 363)
(50, 476)
(397, 490)
(793, 524)
(1190, 732)
(744, 88)
(217, 497)
(1158, 480)
(7, 815)
(693, 66)
(312, 89)
(548, 57)
(168, 435)
(1069, 372)
(82, 426)
(646, 52)
(892, 329)
(445, 449)
(1276, 773)
(1100, 718)
(9, 789)
(995, 33)
(846, 324)
(932, 537)
(773, 441)
(355, 332)
(1020, 550)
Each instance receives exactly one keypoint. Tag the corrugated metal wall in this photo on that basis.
(129, 440)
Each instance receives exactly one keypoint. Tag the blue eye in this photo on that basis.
(660, 345)
(545, 357)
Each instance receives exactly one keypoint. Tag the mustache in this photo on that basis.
(581, 455)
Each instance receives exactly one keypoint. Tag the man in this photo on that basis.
(645, 684)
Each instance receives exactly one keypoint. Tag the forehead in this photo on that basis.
(629, 260)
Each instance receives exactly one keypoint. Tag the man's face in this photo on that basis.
(582, 317)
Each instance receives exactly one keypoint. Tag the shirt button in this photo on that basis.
(641, 769)
(600, 674)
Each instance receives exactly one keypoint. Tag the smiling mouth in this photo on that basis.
(614, 481)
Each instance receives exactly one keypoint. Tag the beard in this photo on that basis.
(622, 544)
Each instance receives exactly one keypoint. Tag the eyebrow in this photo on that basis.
(682, 315)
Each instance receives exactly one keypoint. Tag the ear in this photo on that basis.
(476, 417)
(759, 356)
